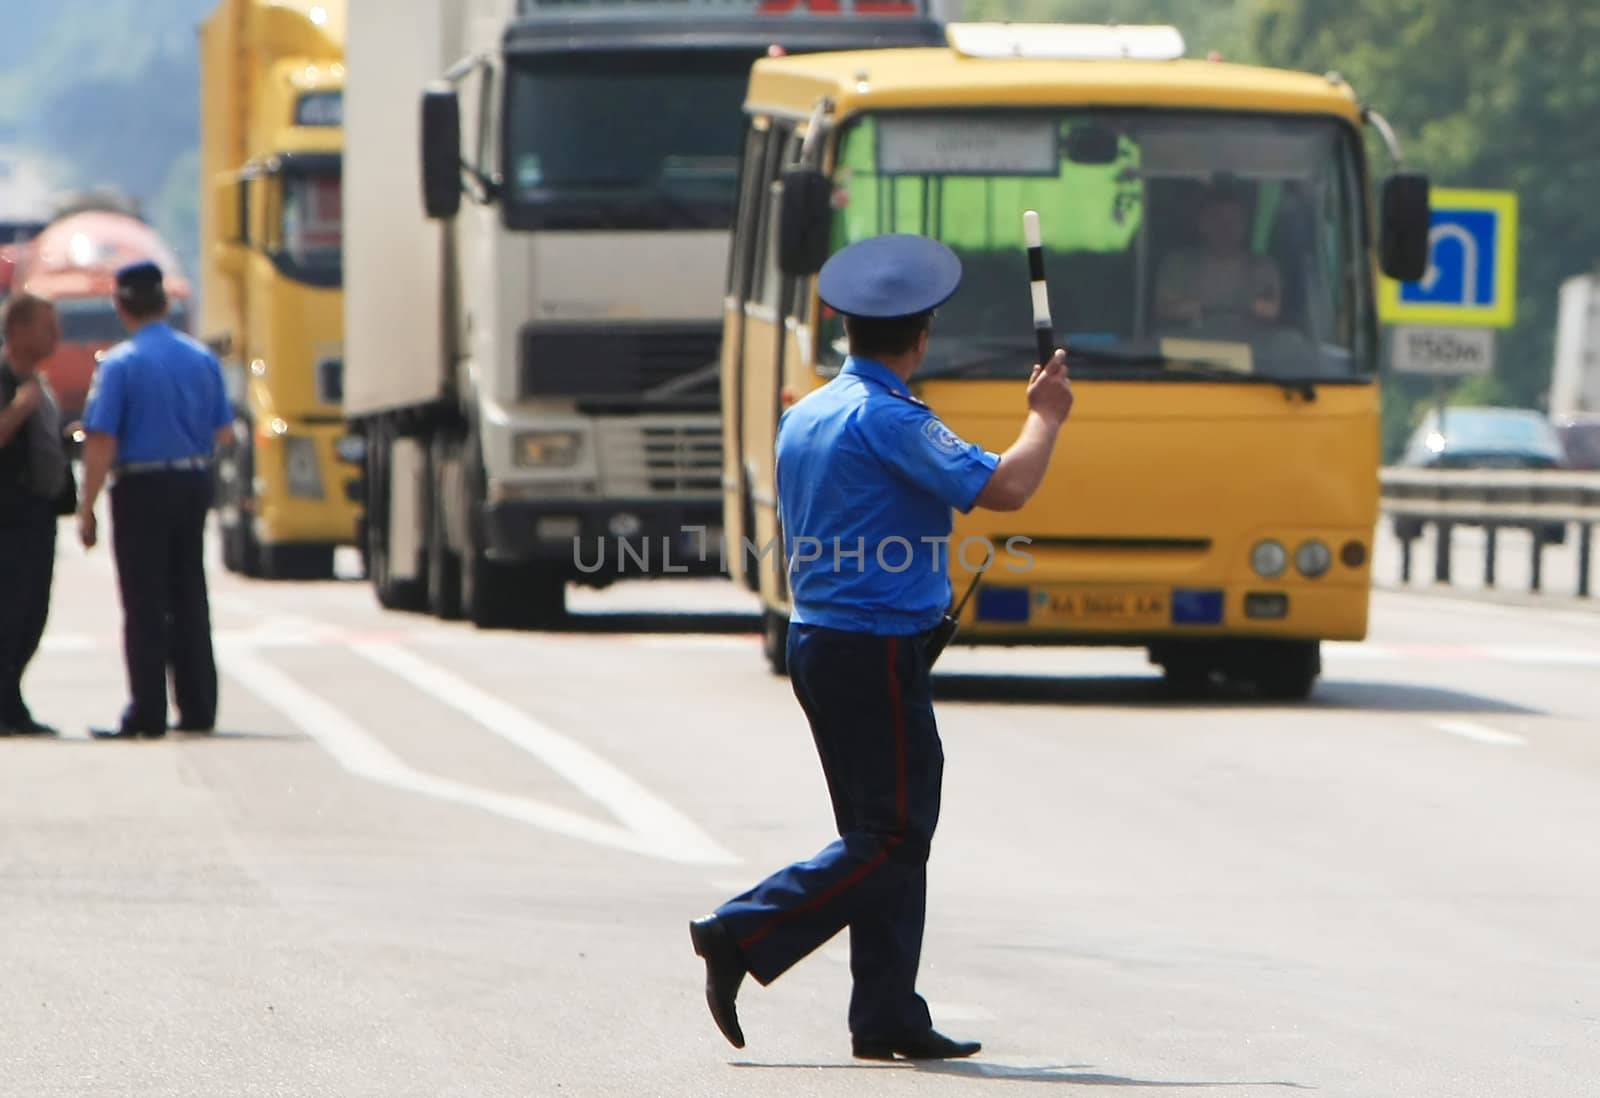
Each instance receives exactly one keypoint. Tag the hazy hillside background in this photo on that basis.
(107, 92)
(1484, 94)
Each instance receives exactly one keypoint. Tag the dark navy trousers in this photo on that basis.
(870, 706)
(158, 534)
(27, 567)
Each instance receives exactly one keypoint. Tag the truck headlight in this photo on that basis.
(301, 469)
(549, 448)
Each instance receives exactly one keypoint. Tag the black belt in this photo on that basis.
(188, 463)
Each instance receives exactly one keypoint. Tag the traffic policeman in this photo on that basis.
(871, 474)
(157, 411)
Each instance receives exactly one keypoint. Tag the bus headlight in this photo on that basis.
(558, 448)
(1269, 558)
(300, 467)
(1313, 559)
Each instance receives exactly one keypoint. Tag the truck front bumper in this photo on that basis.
(599, 541)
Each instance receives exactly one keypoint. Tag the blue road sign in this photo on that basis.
(1472, 265)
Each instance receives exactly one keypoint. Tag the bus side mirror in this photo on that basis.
(441, 152)
(1403, 234)
(804, 222)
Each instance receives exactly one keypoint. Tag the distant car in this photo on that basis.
(1580, 439)
(1484, 438)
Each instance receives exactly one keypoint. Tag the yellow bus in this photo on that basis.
(271, 147)
(1211, 241)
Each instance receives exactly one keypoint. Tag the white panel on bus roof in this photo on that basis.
(1066, 41)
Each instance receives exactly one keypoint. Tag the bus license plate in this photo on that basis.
(1101, 608)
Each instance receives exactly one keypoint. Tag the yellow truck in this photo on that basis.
(272, 136)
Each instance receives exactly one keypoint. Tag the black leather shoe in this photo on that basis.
(725, 971)
(931, 1045)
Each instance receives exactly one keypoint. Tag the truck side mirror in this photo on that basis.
(1403, 234)
(441, 152)
(804, 222)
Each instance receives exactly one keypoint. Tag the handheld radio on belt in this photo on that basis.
(946, 629)
(1044, 333)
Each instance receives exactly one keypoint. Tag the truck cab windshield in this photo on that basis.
(624, 140)
(310, 237)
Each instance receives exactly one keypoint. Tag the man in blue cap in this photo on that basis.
(867, 469)
(156, 412)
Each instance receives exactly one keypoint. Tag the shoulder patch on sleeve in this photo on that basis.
(942, 437)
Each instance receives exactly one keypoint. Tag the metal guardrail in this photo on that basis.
(1547, 503)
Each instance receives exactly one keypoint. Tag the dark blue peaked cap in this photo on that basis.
(890, 276)
(143, 275)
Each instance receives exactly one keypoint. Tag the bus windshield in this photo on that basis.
(1176, 245)
(626, 140)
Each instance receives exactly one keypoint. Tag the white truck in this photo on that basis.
(538, 197)
(1575, 375)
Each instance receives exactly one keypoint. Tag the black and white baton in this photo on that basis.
(1042, 328)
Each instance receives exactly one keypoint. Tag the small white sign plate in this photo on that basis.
(1443, 352)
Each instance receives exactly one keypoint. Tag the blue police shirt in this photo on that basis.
(161, 394)
(867, 477)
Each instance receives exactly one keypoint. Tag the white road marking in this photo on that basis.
(1479, 733)
(667, 831)
(1568, 656)
(363, 755)
(707, 641)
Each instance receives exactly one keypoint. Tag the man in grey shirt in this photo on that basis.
(35, 486)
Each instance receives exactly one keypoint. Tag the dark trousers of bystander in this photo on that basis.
(158, 535)
(27, 571)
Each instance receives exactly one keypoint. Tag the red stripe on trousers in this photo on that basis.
(897, 708)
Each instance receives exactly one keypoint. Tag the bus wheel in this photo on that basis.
(1287, 670)
(1186, 671)
(775, 641)
(1186, 679)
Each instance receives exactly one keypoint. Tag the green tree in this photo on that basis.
(1486, 95)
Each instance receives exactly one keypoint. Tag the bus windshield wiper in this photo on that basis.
(974, 354)
(1187, 366)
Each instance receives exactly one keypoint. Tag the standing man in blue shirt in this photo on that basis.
(157, 412)
(868, 473)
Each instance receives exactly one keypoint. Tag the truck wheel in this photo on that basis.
(241, 553)
(444, 564)
(541, 597)
(296, 562)
(775, 641)
(392, 594)
(1286, 670)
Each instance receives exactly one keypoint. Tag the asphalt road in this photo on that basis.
(424, 860)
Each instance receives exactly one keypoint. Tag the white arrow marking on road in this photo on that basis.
(365, 756)
(652, 820)
(1469, 261)
(1479, 733)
